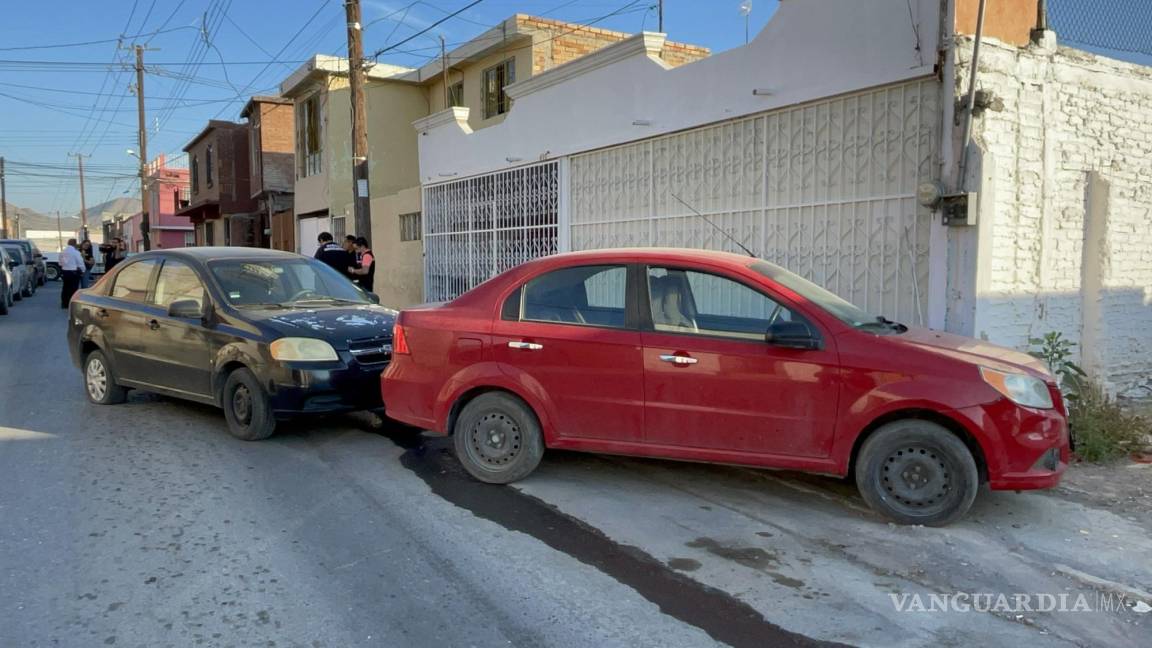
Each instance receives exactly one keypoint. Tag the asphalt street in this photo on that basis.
(146, 524)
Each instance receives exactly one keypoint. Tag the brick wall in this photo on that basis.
(559, 42)
(1071, 230)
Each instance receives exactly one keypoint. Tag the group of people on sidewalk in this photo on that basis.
(353, 259)
(77, 261)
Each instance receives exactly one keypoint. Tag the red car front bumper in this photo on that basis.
(1025, 448)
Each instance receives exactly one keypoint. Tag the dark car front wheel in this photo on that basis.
(52, 273)
(246, 407)
(498, 439)
(917, 472)
(100, 381)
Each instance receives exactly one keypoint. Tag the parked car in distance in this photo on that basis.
(263, 334)
(24, 270)
(7, 281)
(709, 356)
(32, 257)
(52, 266)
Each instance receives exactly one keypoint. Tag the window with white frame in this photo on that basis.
(339, 228)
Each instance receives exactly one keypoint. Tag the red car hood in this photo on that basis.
(973, 350)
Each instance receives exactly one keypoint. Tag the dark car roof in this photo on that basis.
(211, 253)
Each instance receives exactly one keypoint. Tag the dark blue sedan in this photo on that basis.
(265, 335)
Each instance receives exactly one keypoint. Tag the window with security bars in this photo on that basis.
(308, 146)
(496, 101)
(410, 226)
(478, 227)
(456, 94)
(339, 228)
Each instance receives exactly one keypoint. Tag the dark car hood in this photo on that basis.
(336, 324)
(970, 350)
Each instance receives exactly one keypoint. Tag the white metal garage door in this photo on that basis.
(826, 189)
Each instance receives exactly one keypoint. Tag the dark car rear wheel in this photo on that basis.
(497, 438)
(917, 472)
(246, 407)
(5, 300)
(52, 273)
(100, 382)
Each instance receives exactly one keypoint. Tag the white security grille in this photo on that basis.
(478, 227)
(826, 189)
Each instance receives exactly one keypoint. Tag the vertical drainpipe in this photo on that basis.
(939, 253)
(965, 141)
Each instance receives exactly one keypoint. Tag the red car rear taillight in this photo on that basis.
(399, 342)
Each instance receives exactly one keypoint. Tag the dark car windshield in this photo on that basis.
(839, 308)
(283, 282)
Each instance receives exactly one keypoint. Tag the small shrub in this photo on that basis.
(1057, 352)
(1101, 430)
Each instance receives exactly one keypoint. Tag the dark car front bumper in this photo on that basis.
(300, 388)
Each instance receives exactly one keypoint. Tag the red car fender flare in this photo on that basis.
(855, 423)
(493, 376)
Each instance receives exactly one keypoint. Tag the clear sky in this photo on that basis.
(209, 56)
(60, 100)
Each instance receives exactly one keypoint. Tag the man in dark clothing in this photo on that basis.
(332, 254)
(365, 272)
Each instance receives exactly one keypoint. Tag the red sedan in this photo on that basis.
(709, 356)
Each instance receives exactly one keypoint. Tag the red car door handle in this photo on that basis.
(678, 359)
(153, 324)
(526, 346)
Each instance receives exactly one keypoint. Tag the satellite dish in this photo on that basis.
(745, 8)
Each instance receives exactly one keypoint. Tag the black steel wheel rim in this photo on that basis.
(242, 404)
(495, 441)
(918, 479)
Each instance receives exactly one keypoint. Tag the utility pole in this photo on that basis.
(145, 224)
(3, 203)
(444, 73)
(83, 204)
(660, 16)
(362, 205)
(59, 232)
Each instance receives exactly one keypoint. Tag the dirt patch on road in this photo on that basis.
(1123, 487)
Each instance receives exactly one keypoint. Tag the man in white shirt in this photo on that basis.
(71, 269)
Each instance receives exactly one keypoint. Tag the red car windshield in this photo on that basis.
(836, 306)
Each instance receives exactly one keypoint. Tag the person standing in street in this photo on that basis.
(364, 272)
(71, 269)
(89, 263)
(114, 254)
(334, 255)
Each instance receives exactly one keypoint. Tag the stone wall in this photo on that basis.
(1068, 139)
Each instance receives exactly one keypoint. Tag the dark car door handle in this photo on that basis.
(101, 313)
(153, 324)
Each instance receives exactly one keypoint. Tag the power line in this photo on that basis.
(104, 41)
(428, 28)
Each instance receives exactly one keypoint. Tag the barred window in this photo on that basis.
(456, 94)
(339, 228)
(410, 226)
(496, 102)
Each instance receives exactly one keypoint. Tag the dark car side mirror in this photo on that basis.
(372, 297)
(186, 309)
(792, 335)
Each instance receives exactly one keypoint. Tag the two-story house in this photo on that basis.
(271, 165)
(472, 75)
(221, 207)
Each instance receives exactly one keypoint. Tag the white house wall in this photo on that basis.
(810, 49)
(1066, 243)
